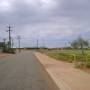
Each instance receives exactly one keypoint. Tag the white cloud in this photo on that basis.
(5, 5)
(48, 18)
(48, 3)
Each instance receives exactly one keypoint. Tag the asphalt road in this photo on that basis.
(24, 72)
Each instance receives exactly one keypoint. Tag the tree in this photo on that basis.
(80, 43)
(1, 45)
(74, 44)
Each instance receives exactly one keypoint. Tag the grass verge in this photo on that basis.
(71, 56)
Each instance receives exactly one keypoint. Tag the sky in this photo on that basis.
(54, 23)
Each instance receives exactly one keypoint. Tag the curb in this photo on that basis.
(60, 83)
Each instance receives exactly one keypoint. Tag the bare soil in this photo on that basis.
(3, 55)
(87, 70)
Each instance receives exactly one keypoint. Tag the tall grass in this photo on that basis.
(72, 56)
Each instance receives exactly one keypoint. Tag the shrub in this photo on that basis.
(88, 65)
(9, 50)
(79, 65)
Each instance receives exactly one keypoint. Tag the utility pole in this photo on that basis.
(4, 40)
(19, 43)
(37, 44)
(12, 42)
(43, 42)
(9, 31)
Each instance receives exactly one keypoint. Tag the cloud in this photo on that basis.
(51, 19)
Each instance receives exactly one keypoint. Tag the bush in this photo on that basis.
(79, 65)
(88, 65)
(9, 50)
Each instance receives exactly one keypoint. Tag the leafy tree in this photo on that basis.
(80, 43)
(74, 44)
(1, 44)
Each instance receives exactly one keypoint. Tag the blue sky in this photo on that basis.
(54, 23)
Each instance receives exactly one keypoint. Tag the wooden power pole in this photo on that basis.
(9, 31)
(19, 43)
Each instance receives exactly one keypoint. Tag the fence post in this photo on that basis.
(74, 57)
(86, 57)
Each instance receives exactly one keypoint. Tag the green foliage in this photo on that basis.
(88, 65)
(80, 43)
(80, 65)
(6, 49)
(1, 44)
(74, 44)
(10, 50)
(72, 56)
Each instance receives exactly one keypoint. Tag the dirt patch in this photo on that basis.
(87, 70)
(3, 55)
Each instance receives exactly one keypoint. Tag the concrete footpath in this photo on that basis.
(64, 75)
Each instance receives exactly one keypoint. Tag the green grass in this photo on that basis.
(71, 51)
(70, 56)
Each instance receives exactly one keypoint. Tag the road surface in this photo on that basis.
(24, 72)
